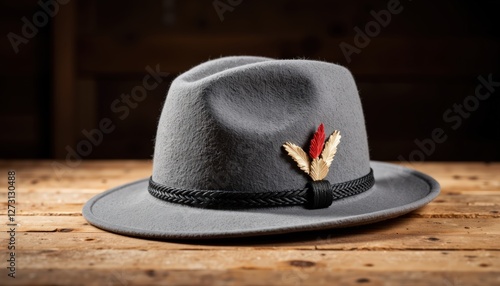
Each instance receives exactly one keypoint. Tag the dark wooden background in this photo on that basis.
(66, 77)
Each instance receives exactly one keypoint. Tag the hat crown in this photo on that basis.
(224, 122)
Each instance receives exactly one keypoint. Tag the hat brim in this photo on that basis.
(131, 210)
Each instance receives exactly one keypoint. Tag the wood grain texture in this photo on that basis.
(452, 241)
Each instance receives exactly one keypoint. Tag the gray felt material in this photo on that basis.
(222, 127)
(224, 123)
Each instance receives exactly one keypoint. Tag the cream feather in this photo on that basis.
(298, 155)
(319, 169)
(331, 148)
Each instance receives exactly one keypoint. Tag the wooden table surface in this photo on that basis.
(455, 240)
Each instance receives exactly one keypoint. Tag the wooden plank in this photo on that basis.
(64, 105)
(250, 258)
(67, 233)
(405, 225)
(247, 276)
(354, 241)
(42, 175)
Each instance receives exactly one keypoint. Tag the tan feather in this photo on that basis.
(319, 169)
(298, 155)
(331, 147)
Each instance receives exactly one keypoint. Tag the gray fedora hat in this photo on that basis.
(239, 152)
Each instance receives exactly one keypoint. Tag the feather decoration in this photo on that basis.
(331, 148)
(319, 169)
(298, 155)
(317, 142)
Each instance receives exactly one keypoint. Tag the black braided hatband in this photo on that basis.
(317, 194)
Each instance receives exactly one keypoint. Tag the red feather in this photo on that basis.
(317, 142)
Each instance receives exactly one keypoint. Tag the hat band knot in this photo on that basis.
(317, 194)
(320, 193)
